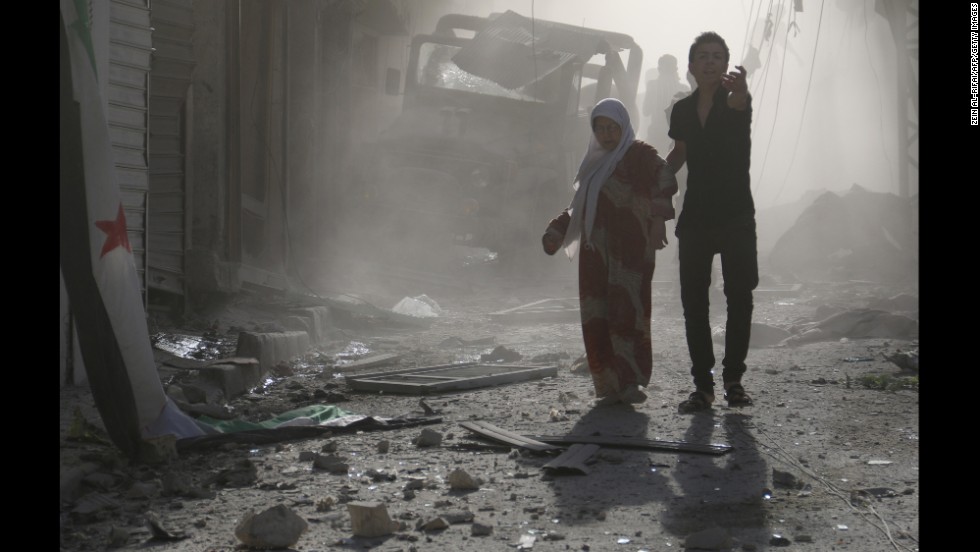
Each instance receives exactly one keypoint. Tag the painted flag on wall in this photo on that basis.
(96, 258)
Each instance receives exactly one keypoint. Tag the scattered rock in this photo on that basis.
(325, 504)
(460, 480)
(158, 450)
(380, 475)
(159, 532)
(763, 335)
(526, 542)
(501, 354)
(414, 483)
(242, 474)
(461, 516)
(428, 438)
(276, 527)
(91, 506)
(71, 480)
(481, 529)
(283, 369)
(330, 463)
(118, 537)
(144, 489)
(779, 540)
(785, 480)
(371, 519)
(433, 524)
(906, 360)
(307, 456)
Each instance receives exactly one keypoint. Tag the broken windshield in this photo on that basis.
(437, 69)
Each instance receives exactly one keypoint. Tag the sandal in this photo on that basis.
(696, 402)
(736, 396)
(632, 395)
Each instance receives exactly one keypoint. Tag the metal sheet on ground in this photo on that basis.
(615, 441)
(492, 432)
(448, 377)
(572, 461)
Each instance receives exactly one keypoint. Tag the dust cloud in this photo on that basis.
(824, 78)
(824, 88)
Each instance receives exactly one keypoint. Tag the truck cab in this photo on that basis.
(493, 124)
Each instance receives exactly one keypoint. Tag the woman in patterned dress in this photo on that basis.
(622, 199)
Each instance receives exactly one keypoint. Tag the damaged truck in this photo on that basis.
(494, 122)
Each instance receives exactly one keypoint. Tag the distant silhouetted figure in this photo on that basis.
(659, 97)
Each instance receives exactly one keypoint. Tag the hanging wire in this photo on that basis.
(765, 72)
(753, 23)
(806, 97)
(534, 56)
(775, 114)
(881, 116)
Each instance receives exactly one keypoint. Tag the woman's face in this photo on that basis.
(607, 132)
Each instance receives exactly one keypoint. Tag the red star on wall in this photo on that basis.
(115, 230)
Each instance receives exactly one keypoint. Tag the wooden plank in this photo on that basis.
(615, 441)
(494, 433)
(573, 460)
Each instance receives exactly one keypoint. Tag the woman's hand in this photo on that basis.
(552, 240)
(658, 233)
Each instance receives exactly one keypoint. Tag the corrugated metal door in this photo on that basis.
(129, 66)
(173, 65)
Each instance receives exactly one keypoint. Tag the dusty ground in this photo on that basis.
(824, 460)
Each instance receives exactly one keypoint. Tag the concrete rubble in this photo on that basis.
(276, 527)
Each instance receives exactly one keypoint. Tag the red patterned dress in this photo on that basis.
(616, 270)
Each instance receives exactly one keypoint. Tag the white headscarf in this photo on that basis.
(596, 167)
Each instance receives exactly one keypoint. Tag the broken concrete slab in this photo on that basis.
(856, 324)
(273, 347)
(855, 235)
(232, 379)
(761, 336)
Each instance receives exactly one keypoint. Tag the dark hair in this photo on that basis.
(705, 38)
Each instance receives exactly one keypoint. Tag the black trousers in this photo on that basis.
(697, 246)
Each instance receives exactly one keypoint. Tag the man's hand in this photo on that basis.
(552, 240)
(736, 83)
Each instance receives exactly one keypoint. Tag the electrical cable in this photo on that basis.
(806, 98)
(775, 114)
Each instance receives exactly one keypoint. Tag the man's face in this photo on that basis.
(709, 63)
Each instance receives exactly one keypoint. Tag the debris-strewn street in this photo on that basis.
(826, 459)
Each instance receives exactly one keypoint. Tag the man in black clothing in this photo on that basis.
(711, 133)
